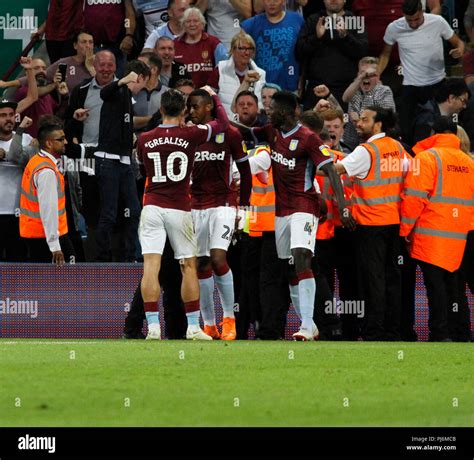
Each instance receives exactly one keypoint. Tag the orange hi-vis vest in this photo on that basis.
(438, 203)
(31, 225)
(262, 201)
(376, 198)
(326, 229)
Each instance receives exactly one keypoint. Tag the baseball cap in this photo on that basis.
(6, 103)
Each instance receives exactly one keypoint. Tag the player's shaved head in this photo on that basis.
(173, 103)
(200, 106)
(204, 94)
(282, 108)
(285, 100)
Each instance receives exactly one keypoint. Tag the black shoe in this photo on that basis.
(133, 335)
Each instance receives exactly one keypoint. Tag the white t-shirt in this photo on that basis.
(421, 50)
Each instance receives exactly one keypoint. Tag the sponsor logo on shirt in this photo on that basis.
(200, 67)
(209, 156)
(279, 158)
(325, 151)
(293, 144)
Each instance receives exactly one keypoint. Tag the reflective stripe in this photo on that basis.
(441, 233)
(414, 192)
(375, 201)
(407, 220)
(27, 212)
(270, 188)
(30, 197)
(439, 179)
(451, 200)
(377, 172)
(269, 208)
(37, 215)
(386, 181)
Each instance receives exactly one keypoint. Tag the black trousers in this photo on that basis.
(323, 266)
(410, 97)
(442, 289)
(38, 250)
(407, 311)
(174, 315)
(346, 267)
(12, 246)
(60, 49)
(378, 256)
(267, 287)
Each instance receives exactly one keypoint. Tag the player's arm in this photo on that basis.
(241, 160)
(221, 122)
(323, 160)
(346, 217)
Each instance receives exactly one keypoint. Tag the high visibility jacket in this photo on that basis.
(326, 229)
(261, 218)
(31, 225)
(376, 199)
(437, 204)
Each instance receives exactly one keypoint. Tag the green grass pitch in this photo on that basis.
(222, 384)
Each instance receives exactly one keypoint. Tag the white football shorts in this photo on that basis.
(298, 230)
(156, 223)
(214, 228)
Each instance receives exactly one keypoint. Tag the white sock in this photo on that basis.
(225, 286)
(295, 299)
(206, 301)
(307, 293)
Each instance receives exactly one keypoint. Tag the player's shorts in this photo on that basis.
(156, 223)
(297, 230)
(214, 228)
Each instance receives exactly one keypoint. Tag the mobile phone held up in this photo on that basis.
(62, 70)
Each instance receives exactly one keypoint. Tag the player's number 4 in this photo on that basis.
(170, 174)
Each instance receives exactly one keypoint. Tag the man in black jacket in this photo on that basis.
(113, 168)
(82, 123)
(330, 45)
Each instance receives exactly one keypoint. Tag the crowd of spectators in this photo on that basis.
(338, 56)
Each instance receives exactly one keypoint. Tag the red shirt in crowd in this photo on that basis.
(197, 57)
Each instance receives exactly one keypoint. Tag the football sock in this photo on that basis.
(192, 312)
(206, 291)
(225, 286)
(295, 298)
(307, 292)
(152, 313)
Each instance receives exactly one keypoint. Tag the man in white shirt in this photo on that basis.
(378, 165)
(420, 43)
(43, 189)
